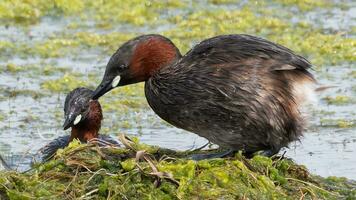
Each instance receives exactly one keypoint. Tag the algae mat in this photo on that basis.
(139, 171)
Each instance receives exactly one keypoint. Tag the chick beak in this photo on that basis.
(68, 122)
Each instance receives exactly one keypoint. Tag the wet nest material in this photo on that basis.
(139, 171)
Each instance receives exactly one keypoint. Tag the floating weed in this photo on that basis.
(12, 93)
(51, 70)
(54, 47)
(72, 44)
(136, 12)
(319, 46)
(345, 124)
(33, 70)
(218, 2)
(29, 12)
(5, 47)
(93, 172)
(125, 105)
(306, 5)
(301, 36)
(127, 99)
(109, 41)
(188, 28)
(353, 74)
(338, 100)
(65, 83)
(12, 68)
(2, 116)
(340, 123)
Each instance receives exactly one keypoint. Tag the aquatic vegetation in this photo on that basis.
(301, 37)
(54, 47)
(208, 23)
(125, 105)
(339, 100)
(128, 98)
(340, 123)
(306, 5)
(141, 171)
(11, 68)
(14, 69)
(5, 46)
(321, 48)
(217, 2)
(12, 93)
(33, 70)
(85, 28)
(185, 28)
(31, 11)
(110, 41)
(64, 84)
(353, 74)
(136, 12)
(74, 43)
(2, 116)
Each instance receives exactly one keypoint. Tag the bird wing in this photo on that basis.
(246, 49)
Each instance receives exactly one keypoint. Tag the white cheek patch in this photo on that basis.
(77, 119)
(116, 81)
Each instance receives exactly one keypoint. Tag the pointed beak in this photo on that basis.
(103, 88)
(68, 122)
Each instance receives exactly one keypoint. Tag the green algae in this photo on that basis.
(33, 70)
(307, 5)
(186, 28)
(129, 98)
(136, 12)
(300, 37)
(29, 12)
(319, 45)
(65, 83)
(56, 47)
(193, 27)
(339, 100)
(12, 68)
(2, 116)
(5, 46)
(340, 123)
(13, 93)
(109, 41)
(62, 46)
(353, 74)
(147, 172)
(217, 2)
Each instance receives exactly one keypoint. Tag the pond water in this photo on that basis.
(41, 62)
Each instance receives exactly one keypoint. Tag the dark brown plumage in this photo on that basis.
(238, 91)
(86, 129)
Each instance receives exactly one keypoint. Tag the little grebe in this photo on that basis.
(239, 91)
(84, 116)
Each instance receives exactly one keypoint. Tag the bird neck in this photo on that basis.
(150, 56)
(90, 126)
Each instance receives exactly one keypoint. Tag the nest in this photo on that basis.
(139, 171)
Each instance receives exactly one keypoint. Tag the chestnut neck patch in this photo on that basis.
(151, 55)
(88, 128)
